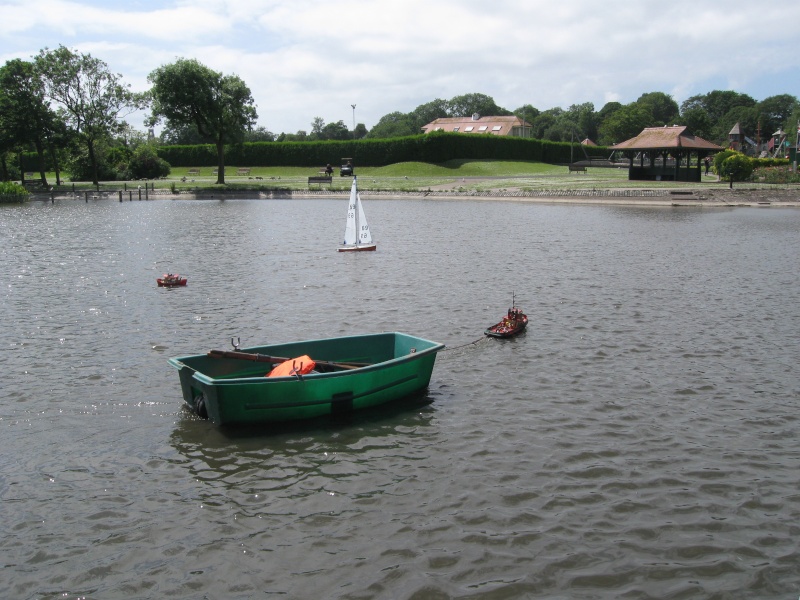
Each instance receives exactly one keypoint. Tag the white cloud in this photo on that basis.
(309, 58)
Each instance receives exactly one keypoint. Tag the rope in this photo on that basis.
(463, 345)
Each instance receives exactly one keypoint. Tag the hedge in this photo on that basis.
(430, 148)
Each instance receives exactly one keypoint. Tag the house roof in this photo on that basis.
(588, 142)
(475, 124)
(653, 138)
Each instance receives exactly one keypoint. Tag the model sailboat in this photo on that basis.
(357, 236)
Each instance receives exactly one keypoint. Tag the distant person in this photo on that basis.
(329, 170)
(707, 160)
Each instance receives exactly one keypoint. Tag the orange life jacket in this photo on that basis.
(301, 364)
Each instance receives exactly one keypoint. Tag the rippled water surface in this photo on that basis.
(639, 441)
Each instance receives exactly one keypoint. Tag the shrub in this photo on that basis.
(736, 167)
(9, 188)
(146, 164)
(775, 175)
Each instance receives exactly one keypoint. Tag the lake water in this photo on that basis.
(639, 441)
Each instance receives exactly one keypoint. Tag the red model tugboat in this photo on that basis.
(513, 323)
(171, 280)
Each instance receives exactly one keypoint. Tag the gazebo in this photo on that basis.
(666, 154)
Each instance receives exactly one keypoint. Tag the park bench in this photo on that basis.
(320, 180)
(194, 172)
(577, 168)
(243, 172)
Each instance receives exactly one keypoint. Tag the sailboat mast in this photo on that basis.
(355, 184)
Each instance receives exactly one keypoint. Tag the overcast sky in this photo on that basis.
(312, 58)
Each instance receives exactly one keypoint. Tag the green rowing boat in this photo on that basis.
(350, 373)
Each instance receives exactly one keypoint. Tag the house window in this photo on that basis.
(470, 128)
(455, 128)
(497, 128)
(483, 128)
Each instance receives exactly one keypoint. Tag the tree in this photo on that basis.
(746, 116)
(544, 121)
(661, 106)
(259, 134)
(425, 113)
(181, 134)
(317, 125)
(221, 107)
(624, 124)
(394, 124)
(717, 103)
(25, 114)
(773, 112)
(91, 98)
(469, 104)
(580, 120)
(336, 131)
(698, 122)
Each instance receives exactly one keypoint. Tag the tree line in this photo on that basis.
(69, 109)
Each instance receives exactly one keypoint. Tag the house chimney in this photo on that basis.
(476, 117)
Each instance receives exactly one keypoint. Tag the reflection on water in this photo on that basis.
(639, 440)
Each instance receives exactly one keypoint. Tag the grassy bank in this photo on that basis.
(457, 175)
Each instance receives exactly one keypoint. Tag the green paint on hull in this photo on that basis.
(235, 391)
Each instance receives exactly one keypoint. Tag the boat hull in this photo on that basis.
(502, 330)
(163, 282)
(497, 332)
(362, 248)
(237, 392)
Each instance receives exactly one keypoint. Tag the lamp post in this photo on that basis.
(354, 120)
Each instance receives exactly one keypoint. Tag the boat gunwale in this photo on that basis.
(177, 362)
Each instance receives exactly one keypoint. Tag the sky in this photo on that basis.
(303, 59)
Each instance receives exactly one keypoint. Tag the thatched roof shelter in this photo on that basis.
(666, 154)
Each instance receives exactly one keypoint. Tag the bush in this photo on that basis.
(146, 164)
(719, 158)
(775, 175)
(80, 167)
(736, 167)
(9, 188)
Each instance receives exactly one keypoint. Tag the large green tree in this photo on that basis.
(395, 124)
(220, 106)
(25, 113)
(90, 98)
(662, 107)
(623, 124)
(717, 103)
(468, 104)
(773, 112)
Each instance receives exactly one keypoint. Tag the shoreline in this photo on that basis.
(684, 197)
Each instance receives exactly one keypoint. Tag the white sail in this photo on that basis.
(352, 211)
(356, 231)
(364, 235)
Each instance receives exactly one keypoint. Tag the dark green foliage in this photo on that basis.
(9, 188)
(436, 147)
(736, 167)
(146, 164)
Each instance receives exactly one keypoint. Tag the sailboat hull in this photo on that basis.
(360, 248)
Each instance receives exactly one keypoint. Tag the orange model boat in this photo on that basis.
(513, 323)
(171, 280)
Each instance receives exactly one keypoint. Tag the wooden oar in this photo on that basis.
(278, 359)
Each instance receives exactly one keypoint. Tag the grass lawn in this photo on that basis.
(459, 175)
